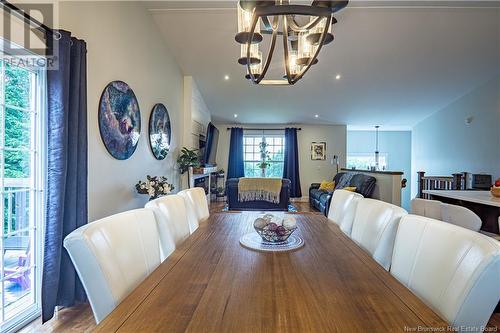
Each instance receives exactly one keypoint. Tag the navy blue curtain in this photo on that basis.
(235, 167)
(67, 170)
(291, 166)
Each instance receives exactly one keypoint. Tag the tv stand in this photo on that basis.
(200, 177)
(204, 170)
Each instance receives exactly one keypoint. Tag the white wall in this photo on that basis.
(310, 171)
(196, 117)
(124, 44)
(196, 114)
(199, 110)
(444, 144)
(397, 146)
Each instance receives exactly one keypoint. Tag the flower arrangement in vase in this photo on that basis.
(155, 187)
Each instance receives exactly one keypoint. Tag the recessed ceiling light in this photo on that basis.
(316, 116)
(226, 77)
(235, 115)
(338, 77)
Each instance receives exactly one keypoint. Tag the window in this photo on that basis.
(275, 148)
(21, 196)
(364, 161)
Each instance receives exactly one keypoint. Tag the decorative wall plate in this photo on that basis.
(253, 241)
(159, 131)
(119, 120)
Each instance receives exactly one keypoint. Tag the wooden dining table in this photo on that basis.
(211, 283)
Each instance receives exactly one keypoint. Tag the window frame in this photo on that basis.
(262, 136)
(382, 156)
(36, 189)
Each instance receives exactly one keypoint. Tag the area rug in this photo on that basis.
(291, 208)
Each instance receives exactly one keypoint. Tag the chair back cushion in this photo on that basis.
(343, 208)
(460, 216)
(196, 205)
(374, 228)
(454, 270)
(427, 208)
(114, 255)
(173, 225)
(337, 178)
(343, 179)
(364, 184)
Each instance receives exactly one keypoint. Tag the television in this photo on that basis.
(209, 149)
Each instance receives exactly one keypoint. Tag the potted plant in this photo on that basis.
(220, 191)
(188, 158)
(264, 156)
(155, 187)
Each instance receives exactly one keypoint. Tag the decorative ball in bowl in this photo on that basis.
(495, 191)
(275, 229)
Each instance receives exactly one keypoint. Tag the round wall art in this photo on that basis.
(159, 131)
(119, 120)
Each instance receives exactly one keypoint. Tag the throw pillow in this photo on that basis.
(327, 186)
(350, 188)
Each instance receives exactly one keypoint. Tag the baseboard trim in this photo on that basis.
(301, 199)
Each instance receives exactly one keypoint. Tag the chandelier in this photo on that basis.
(302, 41)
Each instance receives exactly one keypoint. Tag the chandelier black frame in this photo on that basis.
(281, 11)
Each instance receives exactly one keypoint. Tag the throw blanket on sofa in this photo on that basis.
(253, 189)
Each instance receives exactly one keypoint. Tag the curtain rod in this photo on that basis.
(263, 129)
(26, 17)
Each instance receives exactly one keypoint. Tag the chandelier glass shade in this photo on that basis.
(302, 41)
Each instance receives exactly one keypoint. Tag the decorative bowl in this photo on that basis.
(274, 236)
(275, 229)
(495, 191)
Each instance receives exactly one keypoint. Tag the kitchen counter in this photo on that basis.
(486, 206)
(480, 197)
(385, 172)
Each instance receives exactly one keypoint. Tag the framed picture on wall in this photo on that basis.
(318, 150)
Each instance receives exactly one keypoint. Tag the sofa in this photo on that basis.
(234, 204)
(320, 199)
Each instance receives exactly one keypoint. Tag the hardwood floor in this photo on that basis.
(302, 207)
(75, 319)
(80, 318)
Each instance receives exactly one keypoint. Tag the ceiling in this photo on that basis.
(399, 64)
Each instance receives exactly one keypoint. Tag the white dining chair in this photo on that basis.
(196, 205)
(114, 255)
(427, 208)
(173, 225)
(343, 208)
(461, 216)
(374, 228)
(454, 270)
